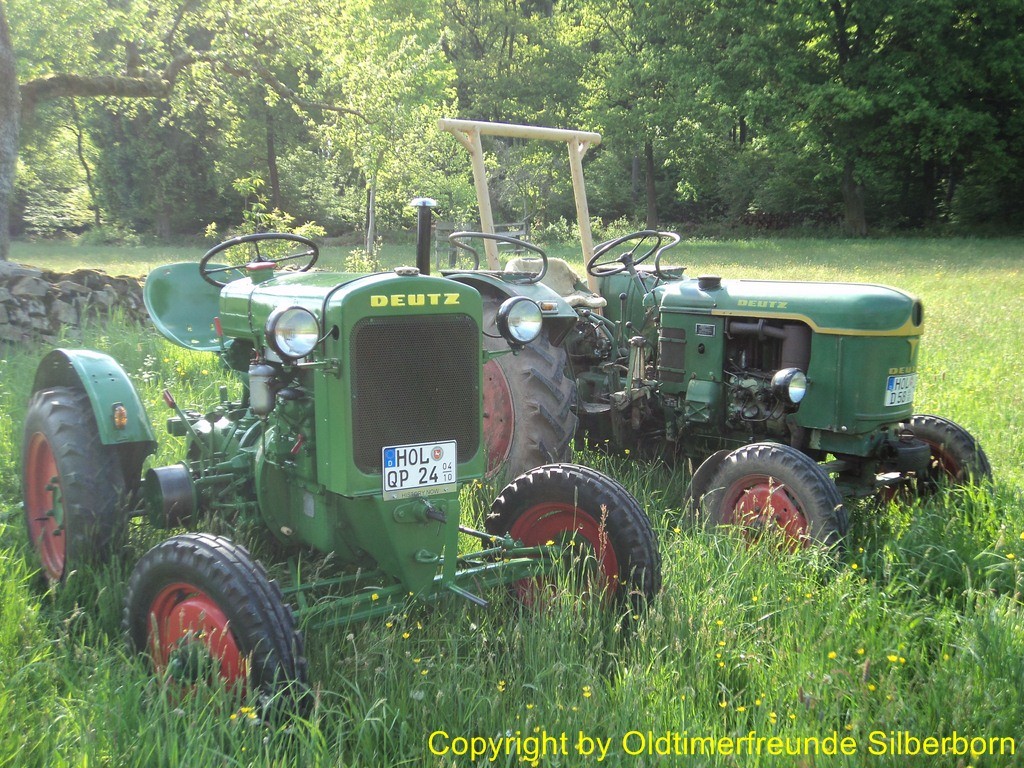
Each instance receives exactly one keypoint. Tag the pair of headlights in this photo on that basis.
(293, 332)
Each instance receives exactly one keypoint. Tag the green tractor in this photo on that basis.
(788, 397)
(360, 419)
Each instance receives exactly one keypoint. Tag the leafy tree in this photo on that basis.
(395, 82)
(153, 169)
(89, 49)
(55, 188)
(852, 89)
(145, 112)
(627, 82)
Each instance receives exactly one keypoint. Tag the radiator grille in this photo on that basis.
(414, 380)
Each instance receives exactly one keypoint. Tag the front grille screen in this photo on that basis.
(414, 380)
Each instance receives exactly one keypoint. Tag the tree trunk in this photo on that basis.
(275, 180)
(855, 222)
(162, 219)
(951, 182)
(652, 190)
(10, 125)
(79, 142)
(634, 187)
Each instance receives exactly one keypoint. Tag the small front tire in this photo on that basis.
(582, 508)
(202, 608)
(772, 487)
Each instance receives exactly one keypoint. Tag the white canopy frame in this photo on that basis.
(468, 133)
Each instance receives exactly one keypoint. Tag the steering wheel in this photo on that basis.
(650, 239)
(457, 238)
(257, 261)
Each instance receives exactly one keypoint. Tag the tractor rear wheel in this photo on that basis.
(589, 513)
(957, 458)
(73, 486)
(528, 399)
(767, 487)
(202, 609)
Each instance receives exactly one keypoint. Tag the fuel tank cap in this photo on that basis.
(709, 282)
(406, 271)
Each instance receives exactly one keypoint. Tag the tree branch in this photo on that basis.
(159, 86)
(63, 85)
(264, 74)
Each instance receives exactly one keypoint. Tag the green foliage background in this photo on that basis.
(715, 115)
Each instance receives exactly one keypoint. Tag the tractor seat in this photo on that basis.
(561, 279)
(183, 306)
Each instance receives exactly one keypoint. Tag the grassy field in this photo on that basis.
(919, 633)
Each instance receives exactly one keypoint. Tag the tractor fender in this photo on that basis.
(558, 321)
(107, 386)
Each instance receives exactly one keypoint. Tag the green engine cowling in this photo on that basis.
(715, 346)
(396, 361)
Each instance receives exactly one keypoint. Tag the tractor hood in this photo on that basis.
(829, 308)
(245, 305)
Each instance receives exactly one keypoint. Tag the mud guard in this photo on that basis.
(107, 386)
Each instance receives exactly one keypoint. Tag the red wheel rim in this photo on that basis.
(499, 416)
(182, 616)
(44, 511)
(568, 524)
(761, 502)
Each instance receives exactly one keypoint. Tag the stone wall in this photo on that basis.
(36, 304)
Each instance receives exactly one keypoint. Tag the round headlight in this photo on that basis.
(292, 332)
(790, 384)
(519, 320)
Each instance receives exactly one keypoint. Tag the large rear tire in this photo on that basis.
(202, 608)
(528, 399)
(593, 515)
(73, 486)
(768, 487)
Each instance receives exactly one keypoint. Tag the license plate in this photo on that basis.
(421, 469)
(899, 390)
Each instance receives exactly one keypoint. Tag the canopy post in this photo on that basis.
(468, 133)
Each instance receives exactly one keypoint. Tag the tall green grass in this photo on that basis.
(919, 628)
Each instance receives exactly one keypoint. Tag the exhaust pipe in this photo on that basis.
(424, 219)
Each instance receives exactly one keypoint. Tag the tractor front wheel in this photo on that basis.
(528, 417)
(768, 487)
(202, 609)
(72, 485)
(956, 457)
(593, 516)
